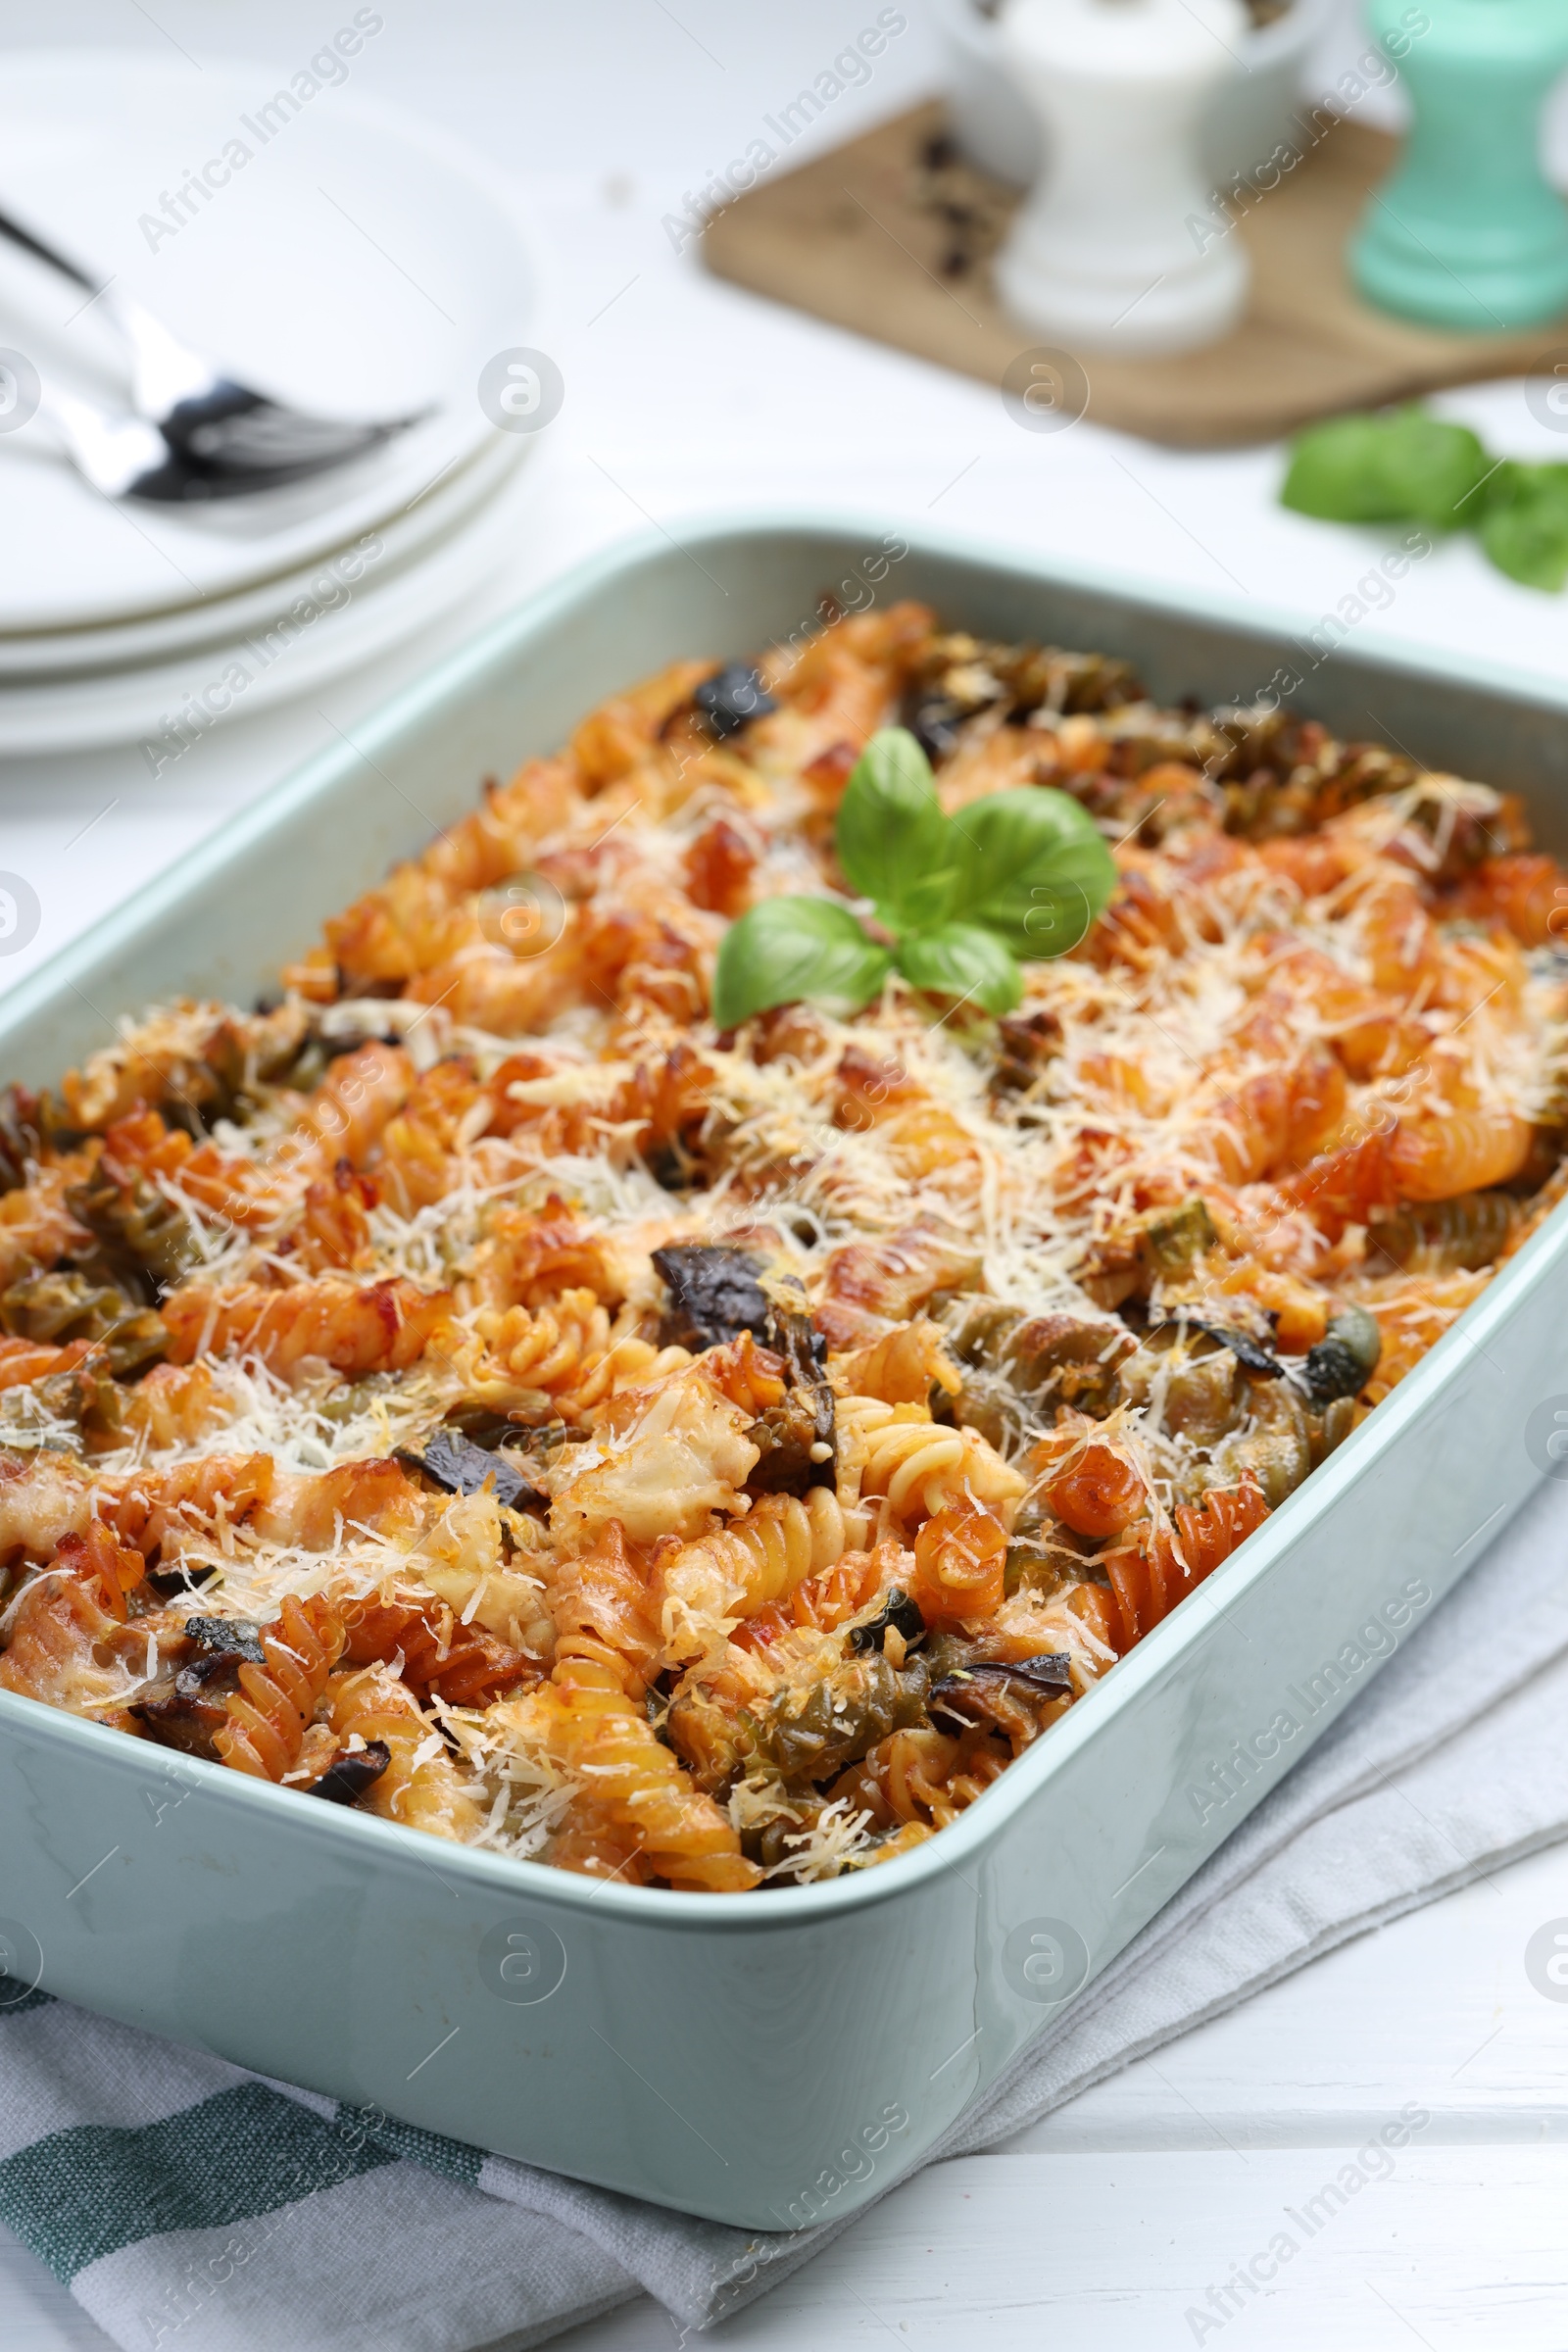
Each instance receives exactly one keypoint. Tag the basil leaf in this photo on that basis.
(1433, 468)
(1400, 466)
(1525, 527)
(1335, 473)
(1036, 869)
(893, 842)
(785, 949)
(961, 959)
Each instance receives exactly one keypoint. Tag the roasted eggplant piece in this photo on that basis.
(185, 1708)
(1160, 1244)
(992, 1396)
(1013, 1697)
(183, 1577)
(731, 698)
(1204, 1391)
(483, 1426)
(1275, 1449)
(1330, 1428)
(455, 1464)
(898, 1611)
(977, 1327)
(21, 1124)
(1344, 1357)
(1249, 1352)
(957, 682)
(1197, 1378)
(1013, 1363)
(351, 1772)
(962, 675)
(935, 721)
(1026, 1044)
(798, 1437)
(713, 1296)
(778, 1820)
(1045, 677)
(226, 1637)
(1070, 1358)
(987, 1403)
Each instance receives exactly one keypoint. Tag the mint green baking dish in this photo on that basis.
(769, 2059)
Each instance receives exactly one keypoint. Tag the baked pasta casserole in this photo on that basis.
(725, 1293)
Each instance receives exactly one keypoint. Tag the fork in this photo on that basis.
(197, 433)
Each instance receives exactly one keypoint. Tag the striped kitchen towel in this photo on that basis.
(196, 2208)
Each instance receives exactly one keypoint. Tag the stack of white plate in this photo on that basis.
(350, 261)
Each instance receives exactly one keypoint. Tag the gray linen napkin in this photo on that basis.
(190, 2204)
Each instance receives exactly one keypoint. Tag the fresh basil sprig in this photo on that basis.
(1407, 466)
(1020, 875)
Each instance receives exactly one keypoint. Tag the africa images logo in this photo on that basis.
(1546, 1437)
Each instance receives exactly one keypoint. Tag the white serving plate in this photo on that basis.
(409, 536)
(382, 611)
(357, 263)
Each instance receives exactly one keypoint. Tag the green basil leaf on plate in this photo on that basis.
(894, 843)
(1525, 526)
(962, 959)
(785, 949)
(1404, 466)
(1036, 869)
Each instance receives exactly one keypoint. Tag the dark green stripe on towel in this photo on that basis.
(18, 2004)
(88, 2192)
(453, 2159)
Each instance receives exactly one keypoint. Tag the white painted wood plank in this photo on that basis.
(1462, 2249)
(1436, 2007)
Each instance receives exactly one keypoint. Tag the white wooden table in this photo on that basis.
(1108, 2226)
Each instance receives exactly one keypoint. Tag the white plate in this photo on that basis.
(153, 704)
(387, 548)
(357, 263)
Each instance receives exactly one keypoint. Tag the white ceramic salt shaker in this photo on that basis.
(1103, 255)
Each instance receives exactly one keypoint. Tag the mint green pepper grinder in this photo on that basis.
(1468, 233)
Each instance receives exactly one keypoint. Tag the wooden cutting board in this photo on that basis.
(893, 236)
